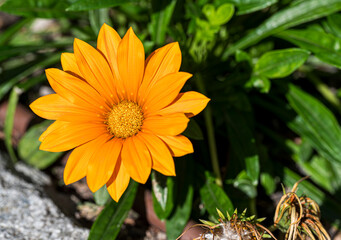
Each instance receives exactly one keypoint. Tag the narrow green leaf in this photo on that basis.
(214, 198)
(177, 221)
(316, 123)
(7, 84)
(280, 63)
(97, 18)
(243, 142)
(334, 23)
(108, 223)
(85, 5)
(28, 148)
(8, 34)
(101, 196)
(9, 122)
(291, 16)
(249, 6)
(11, 51)
(221, 215)
(160, 19)
(325, 46)
(162, 194)
(36, 8)
(211, 224)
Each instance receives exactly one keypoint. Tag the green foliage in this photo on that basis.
(84, 5)
(249, 6)
(163, 194)
(101, 196)
(302, 12)
(108, 223)
(36, 8)
(271, 69)
(28, 148)
(160, 19)
(280, 63)
(324, 46)
(215, 198)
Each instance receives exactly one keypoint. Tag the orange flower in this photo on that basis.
(122, 114)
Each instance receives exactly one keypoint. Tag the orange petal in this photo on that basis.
(160, 63)
(107, 42)
(69, 64)
(119, 181)
(130, 60)
(102, 163)
(161, 156)
(179, 145)
(71, 135)
(57, 124)
(77, 164)
(74, 89)
(136, 159)
(95, 69)
(171, 124)
(164, 91)
(47, 106)
(190, 103)
(55, 107)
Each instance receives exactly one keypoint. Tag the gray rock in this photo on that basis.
(25, 210)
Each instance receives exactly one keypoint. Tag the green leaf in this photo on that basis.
(193, 131)
(261, 83)
(101, 196)
(28, 148)
(20, 73)
(36, 8)
(11, 51)
(162, 194)
(316, 123)
(109, 222)
(177, 221)
(220, 16)
(208, 223)
(280, 63)
(221, 215)
(243, 56)
(160, 19)
(84, 5)
(334, 24)
(244, 184)
(291, 16)
(249, 6)
(9, 122)
(243, 142)
(97, 18)
(268, 182)
(325, 46)
(8, 34)
(215, 198)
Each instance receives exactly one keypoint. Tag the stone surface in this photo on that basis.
(25, 210)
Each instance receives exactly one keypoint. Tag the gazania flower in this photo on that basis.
(122, 114)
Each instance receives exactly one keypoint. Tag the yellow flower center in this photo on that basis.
(125, 119)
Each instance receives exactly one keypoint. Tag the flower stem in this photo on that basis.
(210, 133)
